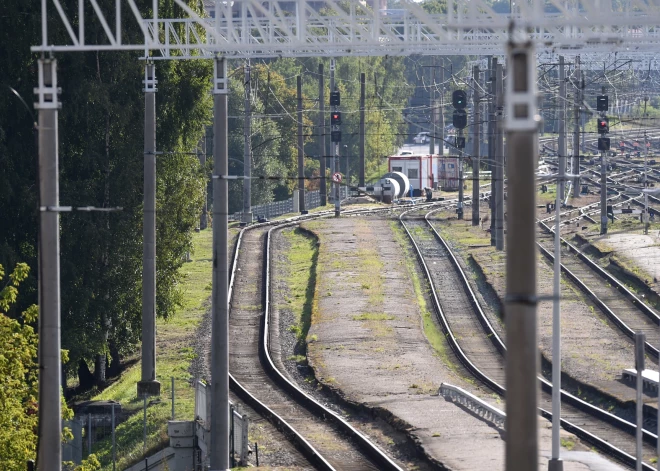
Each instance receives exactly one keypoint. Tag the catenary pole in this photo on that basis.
(203, 218)
(335, 147)
(440, 112)
(603, 188)
(499, 156)
(476, 144)
(301, 149)
(461, 181)
(576, 136)
(220, 300)
(520, 303)
(432, 115)
(362, 136)
(49, 452)
(561, 137)
(148, 386)
(555, 463)
(247, 148)
(492, 64)
(322, 138)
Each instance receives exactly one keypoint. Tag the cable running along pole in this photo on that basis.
(49, 452)
(576, 137)
(220, 299)
(561, 145)
(522, 356)
(499, 159)
(362, 134)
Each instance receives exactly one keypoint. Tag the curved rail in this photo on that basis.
(566, 397)
(308, 450)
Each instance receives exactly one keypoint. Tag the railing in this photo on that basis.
(239, 424)
(472, 402)
(277, 208)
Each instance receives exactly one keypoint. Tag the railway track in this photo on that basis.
(481, 351)
(326, 440)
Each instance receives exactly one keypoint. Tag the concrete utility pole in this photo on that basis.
(335, 147)
(603, 187)
(432, 111)
(492, 65)
(476, 144)
(301, 150)
(499, 158)
(49, 452)
(522, 356)
(203, 218)
(220, 295)
(322, 139)
(561, 144)
(247, 149)
(148, 386)
(441, 112)
(461, 181)
(555, 463)
(362, 137)
(576, 135)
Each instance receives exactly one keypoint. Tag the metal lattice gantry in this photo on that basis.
(307, 28)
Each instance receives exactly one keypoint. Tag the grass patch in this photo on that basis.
(568, 444)
(174, 356)
(302, 257)
(432, 331)
(373, 316)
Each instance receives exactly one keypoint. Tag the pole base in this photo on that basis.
(337, 213)
(555, 464)
(148, 388)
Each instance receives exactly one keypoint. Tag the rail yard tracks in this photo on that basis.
(480, 350)
(323, 437)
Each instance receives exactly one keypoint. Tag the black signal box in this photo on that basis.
(459, 119)
(602, 103)
(335, 118)
(335, 136)
(460, 142)
(604, 143)
(459, 99)
(334, 99)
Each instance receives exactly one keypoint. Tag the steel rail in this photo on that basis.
(306, 448)
(599, 414)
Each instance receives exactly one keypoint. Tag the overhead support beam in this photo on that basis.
(264, 30)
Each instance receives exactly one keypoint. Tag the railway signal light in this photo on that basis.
(335, 118)
(603, 125)
(602, 103)
(335, 136)
(460, 119)
(604, 143)
(460, 143)
(459, 99)
(334, 99)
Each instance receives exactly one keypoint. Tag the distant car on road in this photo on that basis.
(422, 138)
(406, 152)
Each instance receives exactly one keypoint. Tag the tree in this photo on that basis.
(19, 373)
(101, 142)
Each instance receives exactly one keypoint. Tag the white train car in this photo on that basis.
(418, 168)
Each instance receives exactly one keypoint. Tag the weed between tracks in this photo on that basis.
(302, 256)
(432, 330)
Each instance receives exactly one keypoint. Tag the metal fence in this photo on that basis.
(239, 425)
(277, 208)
